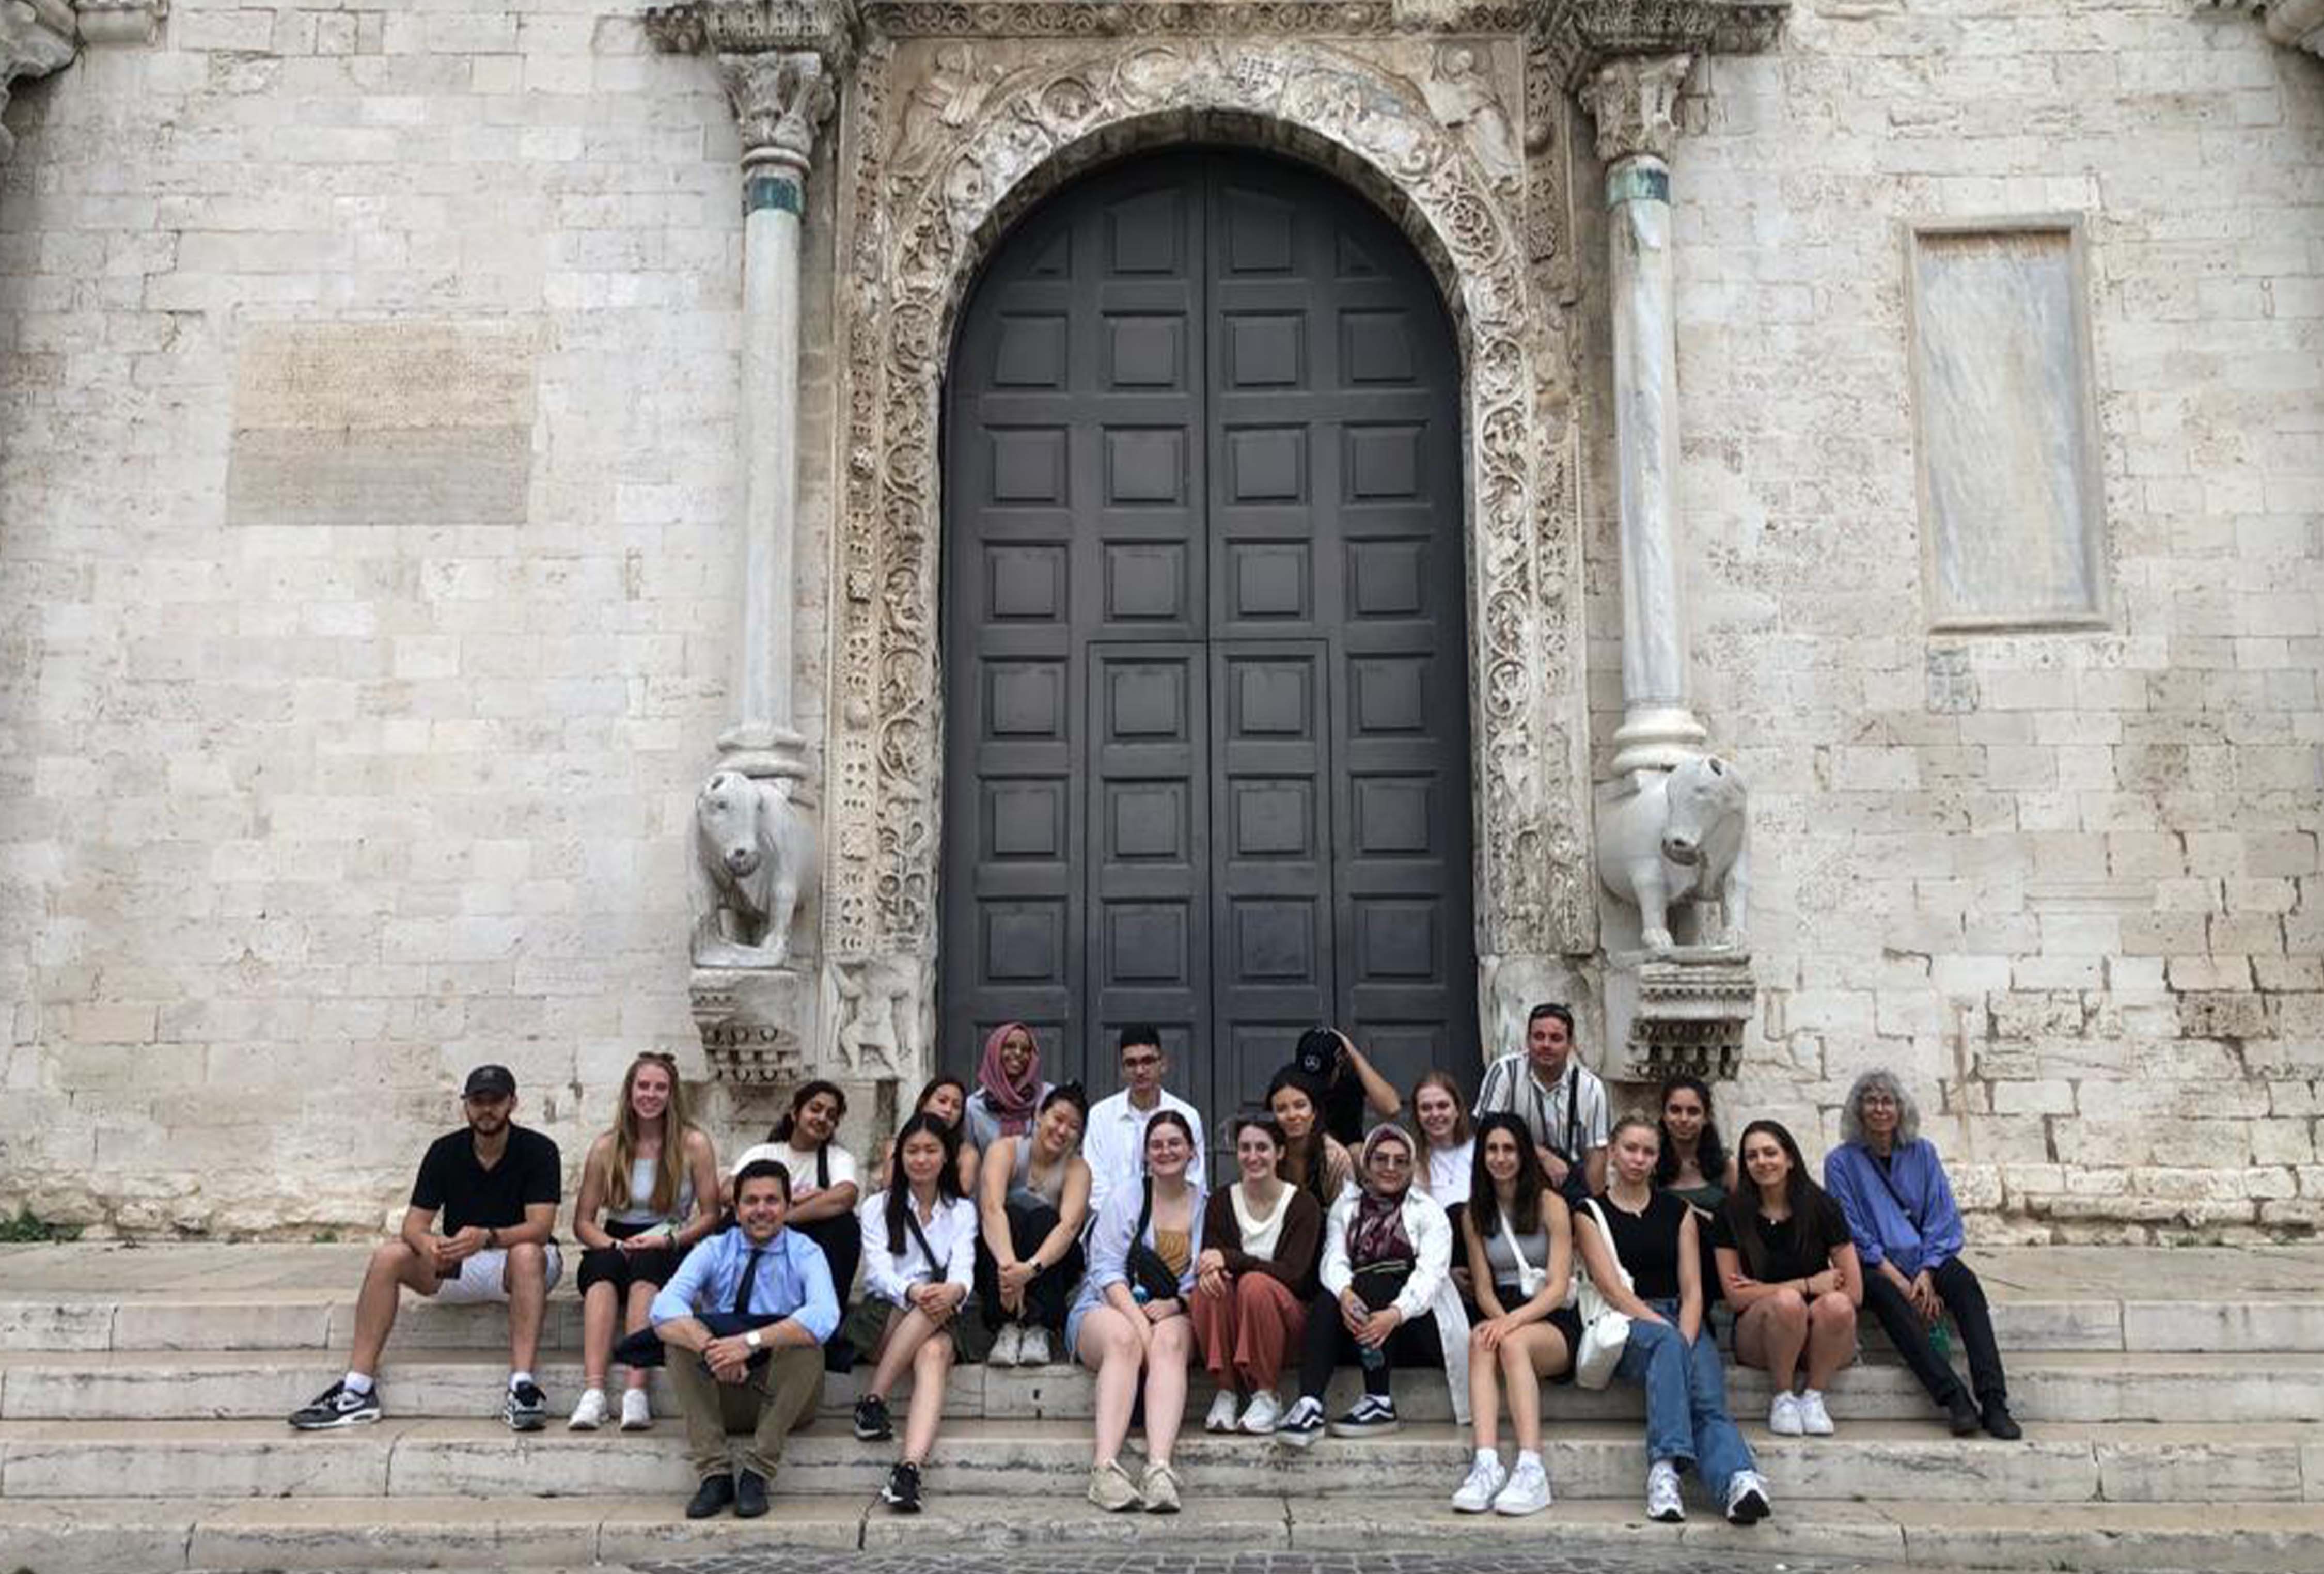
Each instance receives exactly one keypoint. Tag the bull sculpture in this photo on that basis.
(1680, 839)
(755, 852)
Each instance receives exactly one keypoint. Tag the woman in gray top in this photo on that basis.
(1033, 1197)
(1520, 1248)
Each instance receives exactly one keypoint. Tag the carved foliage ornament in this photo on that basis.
(1634, 102)
(1578, 36)
(922, 224)
(779, 100)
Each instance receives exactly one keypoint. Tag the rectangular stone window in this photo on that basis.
(2011, 520)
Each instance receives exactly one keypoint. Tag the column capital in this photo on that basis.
(1634, 100)
(752, 27)
(780, 99)
(36, 37)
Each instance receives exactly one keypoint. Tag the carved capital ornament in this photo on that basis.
(781, 101)
(1634, 101)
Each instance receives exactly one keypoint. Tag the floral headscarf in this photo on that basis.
(1377, 1233)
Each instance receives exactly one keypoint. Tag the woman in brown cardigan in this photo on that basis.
(1260, 1240)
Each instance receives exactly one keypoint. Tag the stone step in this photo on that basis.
(70, 1536)
(2120, 1462)
(207, 1295)
(267, 1384)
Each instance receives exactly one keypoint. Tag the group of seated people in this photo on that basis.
(1530, 1236)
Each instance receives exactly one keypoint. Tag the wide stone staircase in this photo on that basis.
(2173, 1402)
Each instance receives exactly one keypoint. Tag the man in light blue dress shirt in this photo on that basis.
(745, 1317)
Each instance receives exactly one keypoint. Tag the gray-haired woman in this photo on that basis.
(1887, 1179)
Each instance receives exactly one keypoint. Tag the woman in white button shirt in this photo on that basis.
(919, 1257)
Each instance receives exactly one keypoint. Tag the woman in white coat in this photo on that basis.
(1387, 1298)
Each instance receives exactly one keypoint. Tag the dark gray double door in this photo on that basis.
(1207, 747)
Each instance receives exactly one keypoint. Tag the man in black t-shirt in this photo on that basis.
(494, 1186)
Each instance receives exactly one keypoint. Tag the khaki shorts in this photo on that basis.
(484, 1277)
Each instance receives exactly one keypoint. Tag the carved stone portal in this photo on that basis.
(949, 141)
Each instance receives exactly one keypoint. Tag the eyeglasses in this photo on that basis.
(1878, 1101)
(1140, 1062)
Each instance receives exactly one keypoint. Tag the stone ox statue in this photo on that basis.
(754, 851)
(1680, 838)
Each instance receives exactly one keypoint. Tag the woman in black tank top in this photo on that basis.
(1631, 1230)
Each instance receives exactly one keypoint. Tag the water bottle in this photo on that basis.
(1941, 1341)
(1139, 1293)
(1373, 1356)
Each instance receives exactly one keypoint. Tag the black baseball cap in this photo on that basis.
(490, 1082)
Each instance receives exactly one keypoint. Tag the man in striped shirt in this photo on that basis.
(1560, 1100)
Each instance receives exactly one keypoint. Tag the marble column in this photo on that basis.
(780, 98)
(1634, 99)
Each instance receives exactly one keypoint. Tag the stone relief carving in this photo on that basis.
(779, 100)
(1190, 18)
(886, 1012)
(1634, 101)
(941, 103)
(1676, 838)
(1462, 97)
(754, 857)
(2296, 24)
(929, 212)
(36, 37)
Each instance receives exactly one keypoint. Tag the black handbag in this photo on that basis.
(1144, 1264)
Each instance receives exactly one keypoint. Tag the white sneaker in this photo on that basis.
(1662, 1501)
(1033, 1346)
(1265, 1410)
(1746, 1498)
(590, 1414)
(1222, 1416)
(637, 1411)
(1486, 1477)
(1007, 1346)
(1783, 1416)
(1814, 1419)
(1527, 1491)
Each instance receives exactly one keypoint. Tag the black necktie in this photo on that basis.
(742, 1307)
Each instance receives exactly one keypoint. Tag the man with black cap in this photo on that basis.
(495, 1185)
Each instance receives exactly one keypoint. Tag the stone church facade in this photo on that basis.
(466, 471)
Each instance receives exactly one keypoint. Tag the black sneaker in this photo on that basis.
(1302, 1425)
(335, 1406)
(1373, 1415)
(711, 1497)
(2000, 1424)
(872, 1420)
(750, 1495)
(902, 1492)
(526, 1409)
(1961, 1411)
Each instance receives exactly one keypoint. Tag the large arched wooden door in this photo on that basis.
(1207, 757)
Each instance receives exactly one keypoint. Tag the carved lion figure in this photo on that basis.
(1680, 838)
(754, 850)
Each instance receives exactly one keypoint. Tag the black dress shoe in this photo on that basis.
(1964, 1416)
(2000, 1424)
(713, 1496)
(750, 1495)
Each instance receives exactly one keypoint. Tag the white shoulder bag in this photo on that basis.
(1605, 1331)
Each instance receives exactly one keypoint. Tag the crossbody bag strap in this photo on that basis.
(935, 1269)
(1516, 1250)
(1606, 1231)
(823, 1168)
(1887, 1181)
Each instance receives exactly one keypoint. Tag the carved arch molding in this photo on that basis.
(950, 136)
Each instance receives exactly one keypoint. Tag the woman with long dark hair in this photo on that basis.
(1034, 1193)
(825, 1186)
(920, 1254)
(655, 1178)
(1130, 1321)
(1789, 1270)
(1312, 1159)
(1692, 1165)
(1518, 1237)
(945, 1097)
(1887, 1178)
(1640, 1247)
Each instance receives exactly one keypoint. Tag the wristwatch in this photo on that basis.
(752, 1338)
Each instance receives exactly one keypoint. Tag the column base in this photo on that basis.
(760, 750)
(1656, 738)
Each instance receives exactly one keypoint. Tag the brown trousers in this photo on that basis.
(1247, 1333)
(767, 1403)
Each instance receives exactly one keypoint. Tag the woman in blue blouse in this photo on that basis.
(1887, 1179)
(1130, 1317)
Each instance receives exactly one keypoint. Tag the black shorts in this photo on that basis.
(609, 1265)
(1566, 1319)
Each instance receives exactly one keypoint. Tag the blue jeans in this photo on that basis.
(1686, 1399)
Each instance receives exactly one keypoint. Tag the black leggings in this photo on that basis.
(1327, 1343)
(1050, 1291)
(840, 1237)
(1964, 1297)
